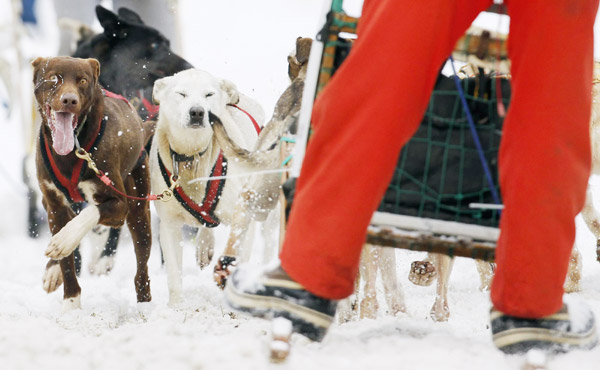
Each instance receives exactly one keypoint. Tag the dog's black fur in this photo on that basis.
(132, 54)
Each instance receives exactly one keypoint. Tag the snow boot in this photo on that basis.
(572, 327)
(274, 294)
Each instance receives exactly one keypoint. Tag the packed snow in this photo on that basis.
(246, 42)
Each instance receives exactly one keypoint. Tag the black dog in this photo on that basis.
(132, 54)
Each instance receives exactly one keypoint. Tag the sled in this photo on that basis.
(407, 229)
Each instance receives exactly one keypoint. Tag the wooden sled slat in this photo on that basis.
(387, 237)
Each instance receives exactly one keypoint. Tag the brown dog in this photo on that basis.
(76, 113)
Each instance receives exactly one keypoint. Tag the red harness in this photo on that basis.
(203, 212)
(150, 108)
(68, 184)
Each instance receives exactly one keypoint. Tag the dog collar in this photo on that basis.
(203, 212)
(177, 157)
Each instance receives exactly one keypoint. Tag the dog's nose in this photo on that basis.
(196, 114)
(69, 100)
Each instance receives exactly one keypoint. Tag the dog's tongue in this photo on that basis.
(63, 139)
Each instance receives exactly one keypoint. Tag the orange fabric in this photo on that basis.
(374, 104)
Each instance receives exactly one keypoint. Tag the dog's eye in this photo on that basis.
(183, 95)
(83, 81)
(210, 94)
(53, 79)
(154, 46)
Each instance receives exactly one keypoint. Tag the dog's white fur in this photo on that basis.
(64, 242)
(176, 95)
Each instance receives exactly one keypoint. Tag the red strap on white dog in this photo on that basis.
(256, 126)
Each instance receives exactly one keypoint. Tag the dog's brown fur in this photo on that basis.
(117, 155)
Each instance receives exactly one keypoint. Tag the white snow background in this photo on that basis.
(246, 42)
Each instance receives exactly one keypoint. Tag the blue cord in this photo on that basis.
(486, 168)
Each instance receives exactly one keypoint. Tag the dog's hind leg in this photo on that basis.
(592, 219)
(104, 244)
(443, 264)
(138, 222)
(394, 296)
(34, 214)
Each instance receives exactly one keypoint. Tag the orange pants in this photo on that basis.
(375, 103)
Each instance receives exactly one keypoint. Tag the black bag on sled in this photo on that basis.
(439, 172)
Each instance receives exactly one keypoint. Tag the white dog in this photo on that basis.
(184, 148)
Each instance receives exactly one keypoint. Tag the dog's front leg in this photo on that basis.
(170, 243)
(394, 295)
(67, 239)
(440, 310)
(60, 215)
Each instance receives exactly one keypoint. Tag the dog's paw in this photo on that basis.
(64, 242)
(52, 278)
(70, 304)
(347, 310)
(223, 269)
(102, 266)
(422, 273)
(396, 305)
(440, 311)
(369, 307)
(204, 255)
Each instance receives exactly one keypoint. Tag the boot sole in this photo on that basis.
(520, 340)
(308, 322)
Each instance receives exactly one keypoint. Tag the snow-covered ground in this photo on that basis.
(246, 42)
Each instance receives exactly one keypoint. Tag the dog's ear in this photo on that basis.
(130, 16)
(231, 90)
(159, 89)
(95, 68)
(113, 26)
(36, 64)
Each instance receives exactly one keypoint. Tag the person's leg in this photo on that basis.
(545, 152)
(544, 168)
(367, 112)
(371, 107)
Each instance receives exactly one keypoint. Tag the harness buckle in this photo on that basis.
(166, 195)
(83, 154)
